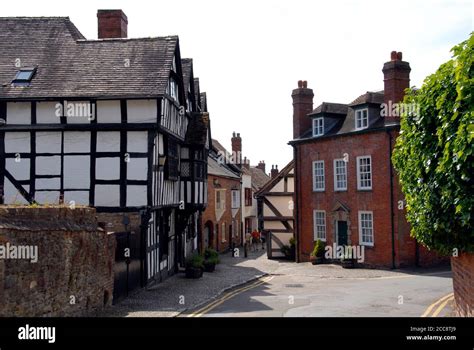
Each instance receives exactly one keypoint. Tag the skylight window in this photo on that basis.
(24, 76)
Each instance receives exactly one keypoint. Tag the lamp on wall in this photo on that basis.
(162, 161)
(216, 183)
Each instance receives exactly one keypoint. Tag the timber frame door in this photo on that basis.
(152, 256)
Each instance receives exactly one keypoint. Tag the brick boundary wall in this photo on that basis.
(74, 272)
(463, 284)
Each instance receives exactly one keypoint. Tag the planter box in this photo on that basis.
(193, 272)
(209, 267)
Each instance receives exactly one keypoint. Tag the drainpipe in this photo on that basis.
(392, 214)
(296, 206)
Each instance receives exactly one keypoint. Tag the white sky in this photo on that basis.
(249, 54)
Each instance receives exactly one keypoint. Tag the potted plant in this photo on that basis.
(211, 259)
(347, 260)
(317, 255)
(194, 266)
(289, 250)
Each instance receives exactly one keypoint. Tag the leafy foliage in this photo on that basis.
(434, 155)
(318, 249)
(195, 261)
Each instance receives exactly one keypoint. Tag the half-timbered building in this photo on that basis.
(275, 210)
(113, 123)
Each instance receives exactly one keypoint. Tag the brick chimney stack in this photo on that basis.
(396, 77)
(112, 24)
(246, 163)
(237, 147)
(274, 172)
(302, 106)
(261, 166)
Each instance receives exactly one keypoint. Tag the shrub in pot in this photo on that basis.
(211, 259)
(194, 266)
(317, 255)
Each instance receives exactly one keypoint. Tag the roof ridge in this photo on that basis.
(151, 38)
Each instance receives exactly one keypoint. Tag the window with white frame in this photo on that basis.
(319, 222)
(364, 173)
(235, 199)
(366, 228)
(318, 176)
(340, 175)
(361, 119)
(220, 199)
(223, 238)
(318, 126)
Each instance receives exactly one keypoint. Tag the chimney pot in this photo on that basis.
(305, 84)
(300, 84)
(399, 56)
(393, 56)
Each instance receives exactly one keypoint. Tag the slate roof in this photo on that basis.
(328, 107)
(343, 116)
(71, 67)
(216, 169)
(259, 178)
(187, 69)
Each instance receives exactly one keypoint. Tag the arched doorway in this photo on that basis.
(208, 235)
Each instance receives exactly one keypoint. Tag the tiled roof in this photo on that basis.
(328, 107)
(368, 97)
(70, 66)
(217, 169)
(259, 178)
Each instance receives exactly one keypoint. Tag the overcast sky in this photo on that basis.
(249, 54)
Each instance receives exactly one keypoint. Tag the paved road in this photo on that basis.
(303, 291)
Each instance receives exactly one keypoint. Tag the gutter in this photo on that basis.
(392, 214)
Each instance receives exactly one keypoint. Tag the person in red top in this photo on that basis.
(255, 239)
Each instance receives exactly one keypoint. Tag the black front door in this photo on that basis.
(342, 233)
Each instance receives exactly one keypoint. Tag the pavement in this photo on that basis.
(256, 286)
(178, 294)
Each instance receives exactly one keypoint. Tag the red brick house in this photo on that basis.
(223, 215)
(346, 189)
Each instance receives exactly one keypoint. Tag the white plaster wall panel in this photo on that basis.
(48, 165)
(108, 112)
(18, 113)
(47, 197)
(76, 172)
(279, 187)
(282, 204)
(19, 170)
(46, 113)
(11, 194)
(107, 169)
(107, 195)
(76, 198)
(17, 142)
(141, 111)
(77, 142)
(291, 184)
(160, 144)
(48, 142)
(48, 184)
(79, 112)
(136, 196)
(137, 141)
(108, 141)
(274, 225)
(137, 169)
(292, 171)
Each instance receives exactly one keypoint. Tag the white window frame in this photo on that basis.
(318, 126)
(319, 229)
(362, 119)
(336, 187)
(220, 205)
(235, 199)
(371, 228)
(315, 189)
(359, 173)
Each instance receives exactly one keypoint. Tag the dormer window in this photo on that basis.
(361, 119)
(24, 76)
(318, 126)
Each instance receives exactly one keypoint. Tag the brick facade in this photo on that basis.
(230, 218)
(73, 275)
(463, 283)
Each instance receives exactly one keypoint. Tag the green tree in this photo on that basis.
(434, 155)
